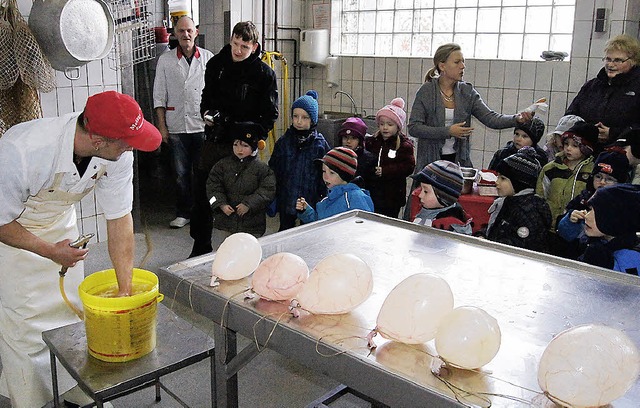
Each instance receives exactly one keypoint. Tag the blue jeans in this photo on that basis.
(185, 148)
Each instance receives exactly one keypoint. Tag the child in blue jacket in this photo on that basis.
(338, 171)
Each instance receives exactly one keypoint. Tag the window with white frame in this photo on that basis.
(486, 29)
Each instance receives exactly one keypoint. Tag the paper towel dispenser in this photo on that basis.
(314, 47)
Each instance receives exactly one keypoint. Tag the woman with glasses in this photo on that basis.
(611, 100)
(611, 167)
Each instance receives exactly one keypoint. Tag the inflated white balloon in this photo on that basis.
(413, 310)
(336, 285)
(238, 256)
(468, 337)
(280, 276)
(588, 366)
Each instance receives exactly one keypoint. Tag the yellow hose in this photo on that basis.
(66, 299)
(269, 58)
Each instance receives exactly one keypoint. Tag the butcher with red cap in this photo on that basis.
(48, 166)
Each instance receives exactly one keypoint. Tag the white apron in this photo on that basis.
(30, 299)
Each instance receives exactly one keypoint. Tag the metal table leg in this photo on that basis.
(54, 380)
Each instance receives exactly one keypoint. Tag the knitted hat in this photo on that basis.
(630, 137)
(446, 179)
(353, 127)
(534, 128)
(585, 134)
(614, 164)
(309, 103)
(248, 132)
(343, 161)
(395, 112)
(566, 122)
(617, 209)
(521, 168)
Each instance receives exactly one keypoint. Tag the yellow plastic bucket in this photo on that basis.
(120, 328)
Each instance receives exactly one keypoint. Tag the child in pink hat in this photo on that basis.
(395, 159)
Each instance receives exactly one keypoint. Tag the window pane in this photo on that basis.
(386, 4)
(563, 20)
(513, 19)
(367, 21)
(510, 46)
(384, 22)
(540, 2)
(403, 23)
(384, 45)
(533, 46)
(445, 3)
(538, 20)
(350, 5)
(439, 39)
(350, 43)
(443, 20)
(467, 42)
(485, 3)
(488, 20)
(423, 21)
(486, 46)
(350, 23)
(368, 4)
(423, 4)
(466, 20)
(366, 43)
(467, 3)
(561, 42)
(402, 45)
(421, 45)
(404, 4)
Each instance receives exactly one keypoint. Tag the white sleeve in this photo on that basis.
(114, 190)
(160, 85)
(13, 183)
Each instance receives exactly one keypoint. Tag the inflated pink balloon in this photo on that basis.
(336, 285)
(280, 276)
(413, 310)
(588, 366)
(468, 337)
(238, 256)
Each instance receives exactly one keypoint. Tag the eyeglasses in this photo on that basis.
(616, 61)
(603, 178)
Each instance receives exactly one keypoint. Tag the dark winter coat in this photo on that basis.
(510, 149)
(450, 219)
(523, 221)
(244, 91)
(620, 253)
(389, 190)
(615, 104)
(297, 172)
(233, 181)
(366, 166)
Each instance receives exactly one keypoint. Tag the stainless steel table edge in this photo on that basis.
(369, 379)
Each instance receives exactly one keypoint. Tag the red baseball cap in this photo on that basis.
(115, 115)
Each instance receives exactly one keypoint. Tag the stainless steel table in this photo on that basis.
(178, 345)
(533, 297)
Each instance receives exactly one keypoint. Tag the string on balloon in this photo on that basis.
(255, 335)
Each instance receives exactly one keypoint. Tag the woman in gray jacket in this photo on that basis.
(441, 114)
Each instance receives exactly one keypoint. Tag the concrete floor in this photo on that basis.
(269, 380)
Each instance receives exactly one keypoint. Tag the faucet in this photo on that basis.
(355, 109)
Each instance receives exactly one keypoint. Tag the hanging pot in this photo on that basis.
(72, 33)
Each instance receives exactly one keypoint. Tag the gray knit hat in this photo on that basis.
(446, 179)
(521, 168)
(534, 129)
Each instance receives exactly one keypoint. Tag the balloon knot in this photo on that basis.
(370, 343)
(215, 282)
(249, 294)
(293, 308)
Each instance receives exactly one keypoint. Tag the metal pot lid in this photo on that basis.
(86, 29)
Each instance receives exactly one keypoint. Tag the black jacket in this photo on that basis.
(244, 91)
(616, 105)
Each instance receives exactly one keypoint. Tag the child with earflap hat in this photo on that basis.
(611, 167)
(611, 227)
(293, 160)
(519, 217)
(240, 187)
(524, 134)
(339, 173)
(352, 134)
(395, 159)
(440, 187)
(568, 174)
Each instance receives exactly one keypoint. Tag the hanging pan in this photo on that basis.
(72, 32)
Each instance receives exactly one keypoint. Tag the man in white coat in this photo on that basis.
(176, 98)
(48, 165)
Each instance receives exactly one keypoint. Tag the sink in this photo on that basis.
(330, 122)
